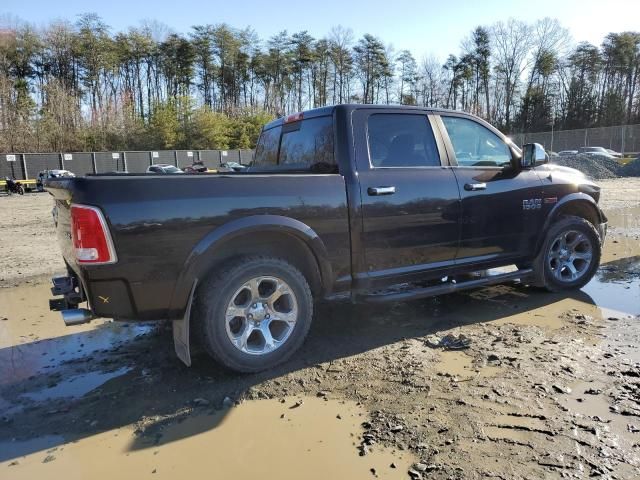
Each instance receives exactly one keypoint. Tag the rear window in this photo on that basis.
(301, 146)
(267, 149)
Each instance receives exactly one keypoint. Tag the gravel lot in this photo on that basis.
(548, 388)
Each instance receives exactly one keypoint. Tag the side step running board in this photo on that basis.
(448, 287)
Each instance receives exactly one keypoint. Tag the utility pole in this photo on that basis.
(552, 123)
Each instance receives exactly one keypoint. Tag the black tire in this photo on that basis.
(545, 275)
(21, 190)
(214, 297)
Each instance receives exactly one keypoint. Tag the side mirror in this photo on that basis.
(533, 154)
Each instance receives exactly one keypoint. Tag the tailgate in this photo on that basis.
(61, 190)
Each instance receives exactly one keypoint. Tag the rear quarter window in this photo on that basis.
(306, 145)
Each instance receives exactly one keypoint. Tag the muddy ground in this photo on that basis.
(548, 388)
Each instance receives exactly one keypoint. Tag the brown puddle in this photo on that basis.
(596, 408)
(257, 439)
(627, 219)
(33, 339)
(460, 365)
(615, 289)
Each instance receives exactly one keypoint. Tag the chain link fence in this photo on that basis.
(23, 166)
(623, 139)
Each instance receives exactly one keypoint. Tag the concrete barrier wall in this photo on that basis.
(22, 166)
(138, 162)
(78, 163)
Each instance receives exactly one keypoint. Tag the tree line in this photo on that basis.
(81, 86)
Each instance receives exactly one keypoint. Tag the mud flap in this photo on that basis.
(181, 332)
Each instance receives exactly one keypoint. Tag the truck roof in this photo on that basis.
(328, 110)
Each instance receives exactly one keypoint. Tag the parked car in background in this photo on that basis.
(45, 174)
(163, 168)
(600, 151)
(200, 167)
(235, 166)
(567, 153)
(614, 153)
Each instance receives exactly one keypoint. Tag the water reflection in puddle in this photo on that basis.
(23, 360)
(616, 288)
(11, 449)
(33, 339)
(76, 386)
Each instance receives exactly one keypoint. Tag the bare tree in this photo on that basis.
(512, 42)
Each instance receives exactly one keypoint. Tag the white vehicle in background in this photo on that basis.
(614, 153)
(599, 151)
(46, 174)
(567, 153)
(163, 168)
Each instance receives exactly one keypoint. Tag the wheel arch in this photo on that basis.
(271, 235)
(576, 204)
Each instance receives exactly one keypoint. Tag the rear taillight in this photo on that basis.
(91, 239)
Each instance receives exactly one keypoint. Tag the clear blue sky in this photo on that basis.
(422, 26)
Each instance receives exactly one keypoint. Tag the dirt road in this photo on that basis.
(549, 387)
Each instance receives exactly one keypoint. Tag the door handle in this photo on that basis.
(373, 191)
(475, 186)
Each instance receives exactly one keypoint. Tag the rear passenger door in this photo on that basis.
(495, 220)
(410, 200)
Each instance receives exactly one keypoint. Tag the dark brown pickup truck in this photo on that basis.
(340, 201)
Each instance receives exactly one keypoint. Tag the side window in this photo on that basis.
(401, 140)
(308, 144)
(475, 145)
(267, 148)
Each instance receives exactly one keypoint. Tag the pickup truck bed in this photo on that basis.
(165, 228)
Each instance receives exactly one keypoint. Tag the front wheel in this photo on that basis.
(254, 314)
(569, 256)
(21, 190)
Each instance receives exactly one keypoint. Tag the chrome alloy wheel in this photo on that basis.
(570, 256)
(261, 315)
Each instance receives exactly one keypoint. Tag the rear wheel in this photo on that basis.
(254, 314)
(569, 256)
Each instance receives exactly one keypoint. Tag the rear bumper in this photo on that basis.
(107, 298)
(114, 298)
